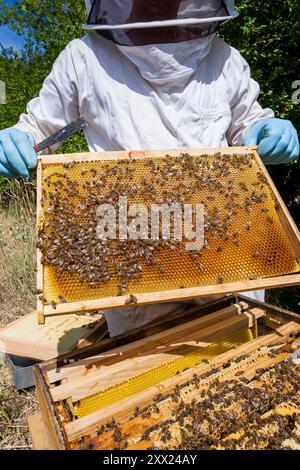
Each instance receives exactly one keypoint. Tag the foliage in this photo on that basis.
(267, 33)
(47, 27)
(268, 36)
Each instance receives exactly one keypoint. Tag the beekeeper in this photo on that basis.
(150, 74)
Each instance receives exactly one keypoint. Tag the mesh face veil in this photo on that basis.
(144, 22)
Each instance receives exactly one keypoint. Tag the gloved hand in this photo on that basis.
(277, 140)
(17, 157)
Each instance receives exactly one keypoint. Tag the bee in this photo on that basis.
(201, 266)
(69, 165)
(220, 249)
(220, 279)
(243, 186)
(131, 300)
(43, 299)
(256, 254)
(53, 304)
(248, 225)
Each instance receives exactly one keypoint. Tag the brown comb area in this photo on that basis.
(244, 237)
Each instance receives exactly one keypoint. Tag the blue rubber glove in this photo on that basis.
(17, 157)
(277, 140)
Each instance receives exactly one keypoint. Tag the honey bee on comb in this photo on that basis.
(131, 300)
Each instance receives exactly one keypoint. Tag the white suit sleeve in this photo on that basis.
(244, 92)
(57, 103)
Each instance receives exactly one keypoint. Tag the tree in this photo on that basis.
(47, 27)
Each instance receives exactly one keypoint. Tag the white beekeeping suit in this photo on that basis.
(187, 89)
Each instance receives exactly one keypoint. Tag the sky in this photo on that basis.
(9, 38)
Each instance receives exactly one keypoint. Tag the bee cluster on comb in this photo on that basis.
(243, 235)
(233, 407)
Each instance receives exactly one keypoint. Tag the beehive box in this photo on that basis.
(224, 375)
(251, 241)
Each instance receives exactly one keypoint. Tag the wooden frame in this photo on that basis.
(40, 437)
(59, 335)
(176, 294)
(284, 322)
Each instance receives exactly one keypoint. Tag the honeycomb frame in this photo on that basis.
(110, 301)
(250, 361)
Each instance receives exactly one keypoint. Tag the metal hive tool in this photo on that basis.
(259, 243)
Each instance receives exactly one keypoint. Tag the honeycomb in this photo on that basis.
(230, 187)
(250, 403)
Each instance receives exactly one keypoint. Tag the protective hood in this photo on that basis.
(163, 64)
(145, 22)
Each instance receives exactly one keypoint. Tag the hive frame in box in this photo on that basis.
(175, 294)
(283, 322)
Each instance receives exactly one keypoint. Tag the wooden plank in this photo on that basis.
(99, 380)
(48, 413)
(39, 266)
(162, 323)
(279, 314)
(110, 303)
(282, 211)
(96, 336)
(254, 314)
(123, 409)
(25, 337)
(38, 433)
(139, 154)
(266, 363)
(145, 345)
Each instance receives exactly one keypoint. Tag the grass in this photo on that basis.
(17, 254)
(17, 284)
(15, 407)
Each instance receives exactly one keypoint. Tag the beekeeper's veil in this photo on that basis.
(141, 22)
